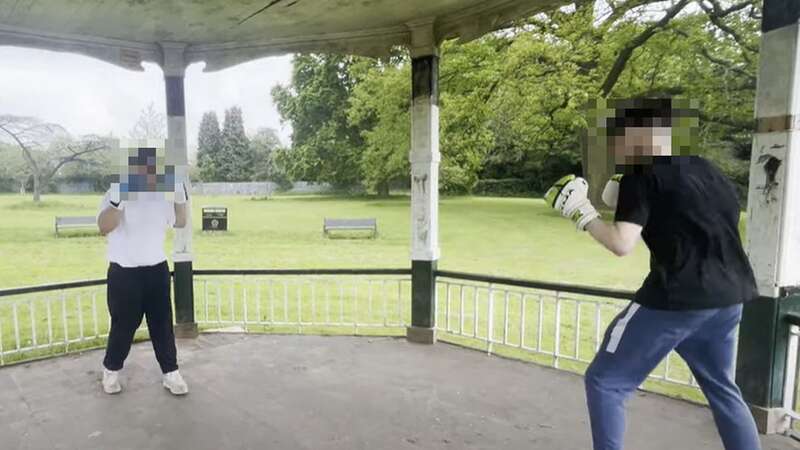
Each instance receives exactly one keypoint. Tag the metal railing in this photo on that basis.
(791, 374)
(40, 321)
(554, 324)
(47, 320)
(352, 301)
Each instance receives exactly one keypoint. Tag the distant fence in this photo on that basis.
(261, 188)
(75, 187)
(258, 188)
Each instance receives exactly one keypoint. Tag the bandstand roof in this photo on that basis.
(223, 32)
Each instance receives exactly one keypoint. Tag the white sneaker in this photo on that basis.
(174, 382)
(111, 381)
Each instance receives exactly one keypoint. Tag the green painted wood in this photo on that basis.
(763, 339)
(184, 292)
(423, 293)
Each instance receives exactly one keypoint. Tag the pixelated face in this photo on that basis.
(148, 173)
(637, 143)
(635, 130)
(143, 172)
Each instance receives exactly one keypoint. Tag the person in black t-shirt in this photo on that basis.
(687, 213)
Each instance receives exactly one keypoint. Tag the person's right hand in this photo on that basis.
(114, 197)
(569, 197)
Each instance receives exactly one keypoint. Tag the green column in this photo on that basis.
(423, 294)
(185, 326)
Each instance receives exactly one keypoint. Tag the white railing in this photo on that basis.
(790, 384)
(50, 320)
(303, 303)
(42, 321)
(561, 326)
(557, 325)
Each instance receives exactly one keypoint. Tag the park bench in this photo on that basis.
(63, 223)
(350, 225)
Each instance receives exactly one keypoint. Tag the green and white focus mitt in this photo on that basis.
(611, 191)
(569, 197)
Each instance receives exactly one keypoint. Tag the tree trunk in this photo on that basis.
(36, 188)
(383, 189)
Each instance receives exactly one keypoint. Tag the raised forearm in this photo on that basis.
(108, 220)
(611, 237)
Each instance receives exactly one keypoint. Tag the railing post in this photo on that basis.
(424, 158)
(773, 234)
(790, 375)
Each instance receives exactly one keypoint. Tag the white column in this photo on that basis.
(174, 67)
(773, 232)
(424, 157)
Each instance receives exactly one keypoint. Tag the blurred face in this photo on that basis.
(147, 175)
(638, 143)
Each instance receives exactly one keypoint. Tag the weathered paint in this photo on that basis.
(424, 158)
(773, 240)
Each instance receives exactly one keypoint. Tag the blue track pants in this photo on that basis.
(639, 339)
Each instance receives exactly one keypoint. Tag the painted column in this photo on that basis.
(174, 67)
(424, 157)
(773, 230)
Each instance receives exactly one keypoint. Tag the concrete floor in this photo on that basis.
(308, 392)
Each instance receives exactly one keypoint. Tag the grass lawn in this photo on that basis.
(507, 237)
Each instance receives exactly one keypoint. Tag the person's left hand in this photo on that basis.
(611, 191)
(569, 196)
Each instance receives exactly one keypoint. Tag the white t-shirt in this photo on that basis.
(138, 240)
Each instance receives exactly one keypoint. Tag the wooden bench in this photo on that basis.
(63, 223)
(350, 225)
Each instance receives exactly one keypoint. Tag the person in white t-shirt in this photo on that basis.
(139, 278)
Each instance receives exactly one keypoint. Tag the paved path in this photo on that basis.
(319, 393)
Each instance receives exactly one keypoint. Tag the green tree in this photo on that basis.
(379, 107)
(264, 144)
(47, 148)
(236, 159)
(326, 147)
(512, 103)
(209, 147)
(13, 173)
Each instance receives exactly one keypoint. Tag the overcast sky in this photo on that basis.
(86, 95)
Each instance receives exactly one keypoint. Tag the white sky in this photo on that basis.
(86, 95)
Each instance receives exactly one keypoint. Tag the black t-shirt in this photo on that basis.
(689, 212)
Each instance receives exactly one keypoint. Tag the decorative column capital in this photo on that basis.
(423, 38)
(173, 58)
